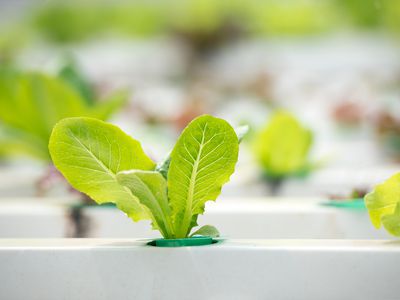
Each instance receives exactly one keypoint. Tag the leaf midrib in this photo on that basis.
(188, 212)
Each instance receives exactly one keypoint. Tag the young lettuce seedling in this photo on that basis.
(383, 205)
(100, 160)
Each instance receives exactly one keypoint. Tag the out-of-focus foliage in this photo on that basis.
(363, 13)
(391, 15)
(292, 17)
(74, 21)
(31, 104)
(12, 38)
(204, 24)
(383, 204)
(371, 14)
(198, 15)
(72, 75)
(282, 146)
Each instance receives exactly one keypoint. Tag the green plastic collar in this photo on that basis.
(357, 203)
(192, 241)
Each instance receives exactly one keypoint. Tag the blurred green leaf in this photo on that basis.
(197, 15)
(282, 146)
(391, 15)
(73, 76)
(76, 21)
(32, 103)
(363, 13)
(19, 142)
(291, 17)
(383, 205)
(106, 107)
(392, 222)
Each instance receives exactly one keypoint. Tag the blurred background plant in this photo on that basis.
(388, 132)
(32, 103)
(149, 18)
(75, 21)
(332, 63)
(282, 149)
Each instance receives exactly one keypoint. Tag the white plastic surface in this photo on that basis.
(246, 269)
(34, 218)
(259, 218)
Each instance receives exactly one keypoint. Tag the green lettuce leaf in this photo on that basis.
(90, 153)
(282, 147)
(383, 205)
(150, 188)
(163, 166)
(392, 222)
(202, 160)
(206, 230)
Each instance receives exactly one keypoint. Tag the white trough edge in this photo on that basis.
(232, 269)
(236, 218)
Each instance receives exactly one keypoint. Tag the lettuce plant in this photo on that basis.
(282, 146)
(383, 205)
(32, 103)
(100, 160)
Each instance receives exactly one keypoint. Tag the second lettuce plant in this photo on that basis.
(282, 147)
